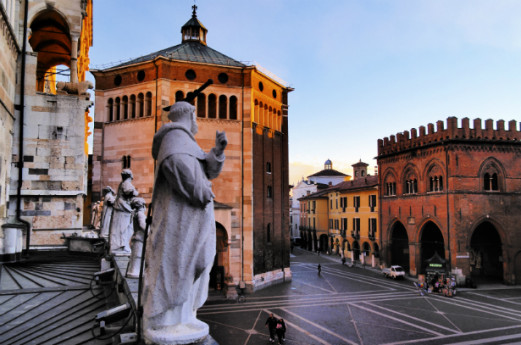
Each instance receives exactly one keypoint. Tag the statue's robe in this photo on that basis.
(134, 263)
(121, 228)
(181, 242)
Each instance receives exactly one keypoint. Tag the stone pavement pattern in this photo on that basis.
(358, 306)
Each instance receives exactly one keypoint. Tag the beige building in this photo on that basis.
(43, 176)
(245, 101)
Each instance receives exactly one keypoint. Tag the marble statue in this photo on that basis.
(121, 227)
(139, 223)
(95, 215)
(109, 197)
(181, 243)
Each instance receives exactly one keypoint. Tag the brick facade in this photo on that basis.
(453, 190)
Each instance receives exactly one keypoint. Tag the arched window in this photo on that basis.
(269, 192)
(126, 162)
(435, 179)
(125, 107)
(212, 106)
(179, 96)
(140, 105)
(268, 233)
(256, 112)
(201, 105)
(133, 106)
(110, 109)
(390, 185)
(223, 105)
(148, 103)
(51, 39)
(411, 186)
(490, 181)
(233, 108)
(118, 109)
(492, 175)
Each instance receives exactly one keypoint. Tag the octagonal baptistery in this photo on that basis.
(250, 104)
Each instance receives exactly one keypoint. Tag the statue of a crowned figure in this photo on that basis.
(181, 244)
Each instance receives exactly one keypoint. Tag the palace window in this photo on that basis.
(372, 202)
(356, 203)
(490, 182)
(436, 183)
(411, 186)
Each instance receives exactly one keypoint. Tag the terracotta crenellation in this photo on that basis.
(449, 130)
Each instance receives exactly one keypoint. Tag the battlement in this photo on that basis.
(430, 134)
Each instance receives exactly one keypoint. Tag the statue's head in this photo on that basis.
(137, 203)
(126, 173)
(184, 114)
(108, 189)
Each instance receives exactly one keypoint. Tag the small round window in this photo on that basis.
(223, 78)
(141, 75)
(261, 86)
(117, 80)
(190, 74)
(274, 93)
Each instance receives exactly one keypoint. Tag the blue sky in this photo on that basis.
(362, 70)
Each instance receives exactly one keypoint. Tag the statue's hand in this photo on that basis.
(220, 142)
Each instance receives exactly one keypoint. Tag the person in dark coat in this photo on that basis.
(271, 323)
(281, 330)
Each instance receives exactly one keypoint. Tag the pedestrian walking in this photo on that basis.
(319, 269)
(281, 331)
(271, 323)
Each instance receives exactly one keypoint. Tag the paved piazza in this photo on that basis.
(358, 306)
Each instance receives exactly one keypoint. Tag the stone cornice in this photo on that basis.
(8, 32)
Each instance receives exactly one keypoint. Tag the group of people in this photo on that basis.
(276, 327)
(438, 284)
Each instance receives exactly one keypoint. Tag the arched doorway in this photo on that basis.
(400, 246)
(431, 242)
(486, 253)
(356, 250)
(323, 243)
(376, 250)
(220, 264)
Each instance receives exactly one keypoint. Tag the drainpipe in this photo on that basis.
(242, 179)
(25, 223)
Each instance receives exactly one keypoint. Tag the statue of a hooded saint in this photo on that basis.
(121, 227)
(109, 196)
(181, 244)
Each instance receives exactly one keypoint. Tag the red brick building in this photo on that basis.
(456, 191)
(249, 104)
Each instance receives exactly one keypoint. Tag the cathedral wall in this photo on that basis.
(8, 58)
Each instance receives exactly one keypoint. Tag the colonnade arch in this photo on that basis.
(399, 246)
(486, 253)
(431, 242)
